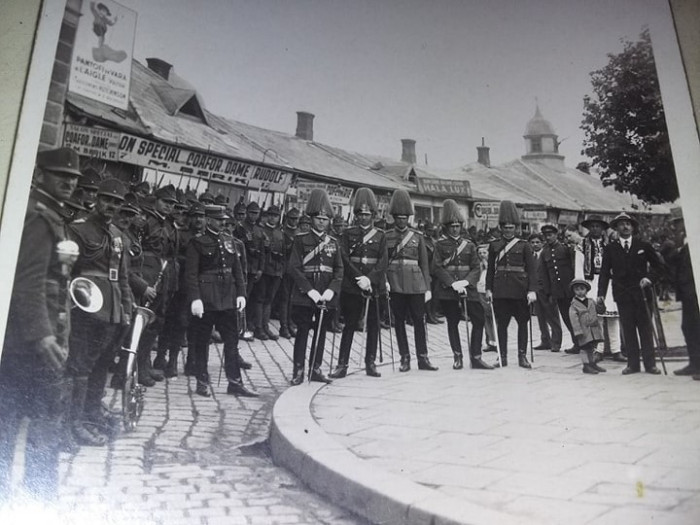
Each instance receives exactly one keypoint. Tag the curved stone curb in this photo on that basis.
(299, 444)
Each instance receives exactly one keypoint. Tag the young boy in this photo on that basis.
(586, 326)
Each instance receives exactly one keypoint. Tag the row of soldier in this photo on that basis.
(220, 270)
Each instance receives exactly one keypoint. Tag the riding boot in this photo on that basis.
(522, 359)
(371, 370)
(83, 435)
(258, 331)
(143, 358)
(266, 311)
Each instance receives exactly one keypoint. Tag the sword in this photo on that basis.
(498, 340)
(466, 322)
(316, 340)
(379, 331)
(391, 339)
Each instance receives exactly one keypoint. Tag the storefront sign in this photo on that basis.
(535, 215)
(139, 151)
(104, 45)
(486, 210)
(568, 217)
(338, 194)
(444, 187)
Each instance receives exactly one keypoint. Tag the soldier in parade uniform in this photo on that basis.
(160, 243)
(275, 266)
(88, 184)
(626, 263)
(215, 290)
(364, 253)
(290, 229)
(96, 335)
(408, 275)
(35, 347)
(254, 240)
(316, 266)
(555, 273)
(511, 282)
(456, 268)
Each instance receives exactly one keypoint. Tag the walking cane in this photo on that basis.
(330, 363)
(529, 324)
(657, 329)
(495, 332)
(316, 340)
(391, 339)
(365, 315)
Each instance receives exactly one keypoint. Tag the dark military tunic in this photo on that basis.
(556, 271)
(214, 275)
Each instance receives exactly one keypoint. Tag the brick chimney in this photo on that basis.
(483, 156)
(305, 125)
(408, 151)
(159, 66)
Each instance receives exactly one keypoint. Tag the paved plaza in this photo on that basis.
(543, 446)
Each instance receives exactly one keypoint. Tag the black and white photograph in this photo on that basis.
(350, 263)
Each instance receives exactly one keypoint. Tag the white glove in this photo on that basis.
(428, 296)
(460, 286)
(489, 296)
(645, 283)
(388, 287)
(327, 295)
(240, 303)
(314, 296)
(531, 297)
(364, 283)
(197, 308)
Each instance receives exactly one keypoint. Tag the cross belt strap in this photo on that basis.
(507, 248)
(313, 253)
(455, 254)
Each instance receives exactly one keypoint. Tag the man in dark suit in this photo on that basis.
(35, 350)
(626, 263)
(685, 292)
(547, 314)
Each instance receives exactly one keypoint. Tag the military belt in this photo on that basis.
(404, 262)
(321, 268)
(459, 268)
(113, 274)
(220, 271)
(510, 268)
(364, 260)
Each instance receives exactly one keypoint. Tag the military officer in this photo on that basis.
(290, 229)
(364, 253)
(215, 290)
(273, 270)
(35, 347)
(456, 268)
(88, 183)
(408, 275)
(316, 266)
(511, 282)
(626, 263)
(555, 273)
(96, 335)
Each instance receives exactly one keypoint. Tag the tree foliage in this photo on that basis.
(625, 126)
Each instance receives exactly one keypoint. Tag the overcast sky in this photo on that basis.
(444, 73)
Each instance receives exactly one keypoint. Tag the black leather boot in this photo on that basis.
(284, 332)
(522, 360)
(318, 377)
(371, 370)
(339, 372)
(237, 388)
(425, 364)
(405, 363)
(159, 362)
(458, 362)
(297, 375)
(479, 364)
(266, 323)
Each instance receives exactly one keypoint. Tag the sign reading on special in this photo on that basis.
(104, 45)
(140, 151)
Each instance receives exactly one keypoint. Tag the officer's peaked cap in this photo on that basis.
(61, 160)
(400, 203)
(364, 201)
(214, 211)
(549, 227)
(451, 213)
(196, 208)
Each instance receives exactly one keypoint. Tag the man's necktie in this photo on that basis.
(627, 247)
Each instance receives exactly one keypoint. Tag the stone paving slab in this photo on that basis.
(548, 445)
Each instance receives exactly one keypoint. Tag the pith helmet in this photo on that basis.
(451, 213)
(364, 201)
(319, 204)
(61, 160)
(400, 203)
(112, 188)
(508, 213)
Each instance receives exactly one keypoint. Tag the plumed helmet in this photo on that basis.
(451, 213)
(364, 201)
(508, 213)
(400, 203)
(319, 204)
